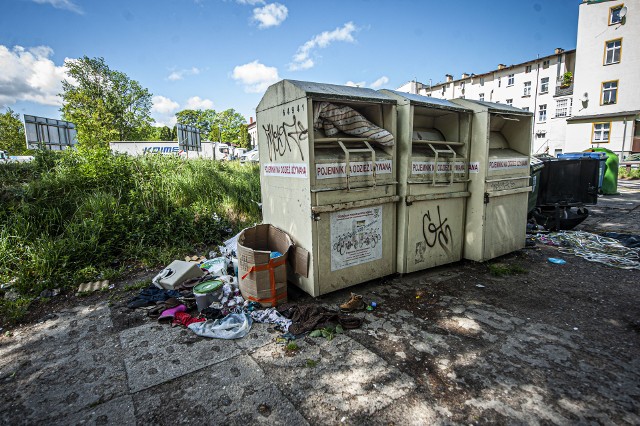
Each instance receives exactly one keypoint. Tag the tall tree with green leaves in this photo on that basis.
(230, 123)
(244, 138)
(104, 104)
(203, 119)
(12, 137)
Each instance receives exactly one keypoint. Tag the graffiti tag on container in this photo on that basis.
(280, 138)
(436, 230)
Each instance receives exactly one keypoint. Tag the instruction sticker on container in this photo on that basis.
(509, 163)
(292, 170)
(426, 167)
(356, 237)
(360, 168)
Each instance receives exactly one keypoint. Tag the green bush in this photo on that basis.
(632, 174)
(69, 216)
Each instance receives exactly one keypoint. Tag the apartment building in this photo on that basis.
(607, 85)
(561, 88)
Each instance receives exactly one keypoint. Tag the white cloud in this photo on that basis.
(356, 84)
(62, 4)
(271, 15)
(302, 60)
(250, 2)
(30, 75)
(179, 75)
(255, 77)
(196, 102)
(380, 82)
(163, 111)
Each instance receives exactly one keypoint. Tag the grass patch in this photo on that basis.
(76, 216)
(311, 363)
(12, 311)
(630, 175)
(502, 269)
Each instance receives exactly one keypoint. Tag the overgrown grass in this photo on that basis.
(81, 215)
(502, 269)
(632, 174)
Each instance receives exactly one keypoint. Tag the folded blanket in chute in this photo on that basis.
(333, 118)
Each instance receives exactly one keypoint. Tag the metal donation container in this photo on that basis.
(433, 148)
(499, 179)
(328, 178)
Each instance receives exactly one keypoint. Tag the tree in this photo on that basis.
(12, 137)
(104, 104)
(230, 122)
(202, 119)
(245, 138)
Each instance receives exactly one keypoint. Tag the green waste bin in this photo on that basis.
(610, 181)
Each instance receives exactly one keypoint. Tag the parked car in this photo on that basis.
(250, 156)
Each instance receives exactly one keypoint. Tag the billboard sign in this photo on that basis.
(49, 133)
(188, 137)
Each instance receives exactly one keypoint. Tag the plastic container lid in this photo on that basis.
(208, 287)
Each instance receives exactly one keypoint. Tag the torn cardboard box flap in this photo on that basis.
(263, 279)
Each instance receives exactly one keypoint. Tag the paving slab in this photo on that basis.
(156, 353)
(231, 392)
(61, 366)
(118, 411)
(329, 380)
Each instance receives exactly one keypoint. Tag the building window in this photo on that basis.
(544, 85)
(563, 107)
(527, 68)
(510, 79)
(542, 113)
(499, 81)
(481, 96)
(481, 81)
(609, 92)
(601, 132)
(545, 64)
(527, 88)
(614, 14)
(612, 51)
(510, 102)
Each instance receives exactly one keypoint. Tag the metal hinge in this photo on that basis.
(486, 198)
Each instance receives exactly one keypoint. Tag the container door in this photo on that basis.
(355, 246)
(505, 224)
(435, 234)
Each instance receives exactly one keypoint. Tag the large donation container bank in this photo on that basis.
(499, 179)
(328, 178)
(433, 148)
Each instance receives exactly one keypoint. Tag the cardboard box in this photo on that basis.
(256, 268)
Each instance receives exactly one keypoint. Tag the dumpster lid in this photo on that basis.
(536, 164)
(495, 107)
(287, 90)
(428, 101)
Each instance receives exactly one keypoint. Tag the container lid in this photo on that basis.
(208, 287)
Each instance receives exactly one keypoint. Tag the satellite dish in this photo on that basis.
(585, 97)
(623, 12)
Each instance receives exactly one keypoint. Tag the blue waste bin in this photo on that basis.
(602, 156)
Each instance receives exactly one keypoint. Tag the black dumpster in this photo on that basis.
(534, 182)
(565, 187)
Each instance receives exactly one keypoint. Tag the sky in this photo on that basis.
(222, 54)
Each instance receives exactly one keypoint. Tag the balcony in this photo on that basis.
(564, 86)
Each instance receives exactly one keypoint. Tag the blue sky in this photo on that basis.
(223, 53)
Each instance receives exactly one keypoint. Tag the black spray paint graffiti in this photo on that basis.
(437, 232)
(281, 137)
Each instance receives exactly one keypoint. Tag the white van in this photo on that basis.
(221, 151)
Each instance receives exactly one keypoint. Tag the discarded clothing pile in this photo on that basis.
(332, 118)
